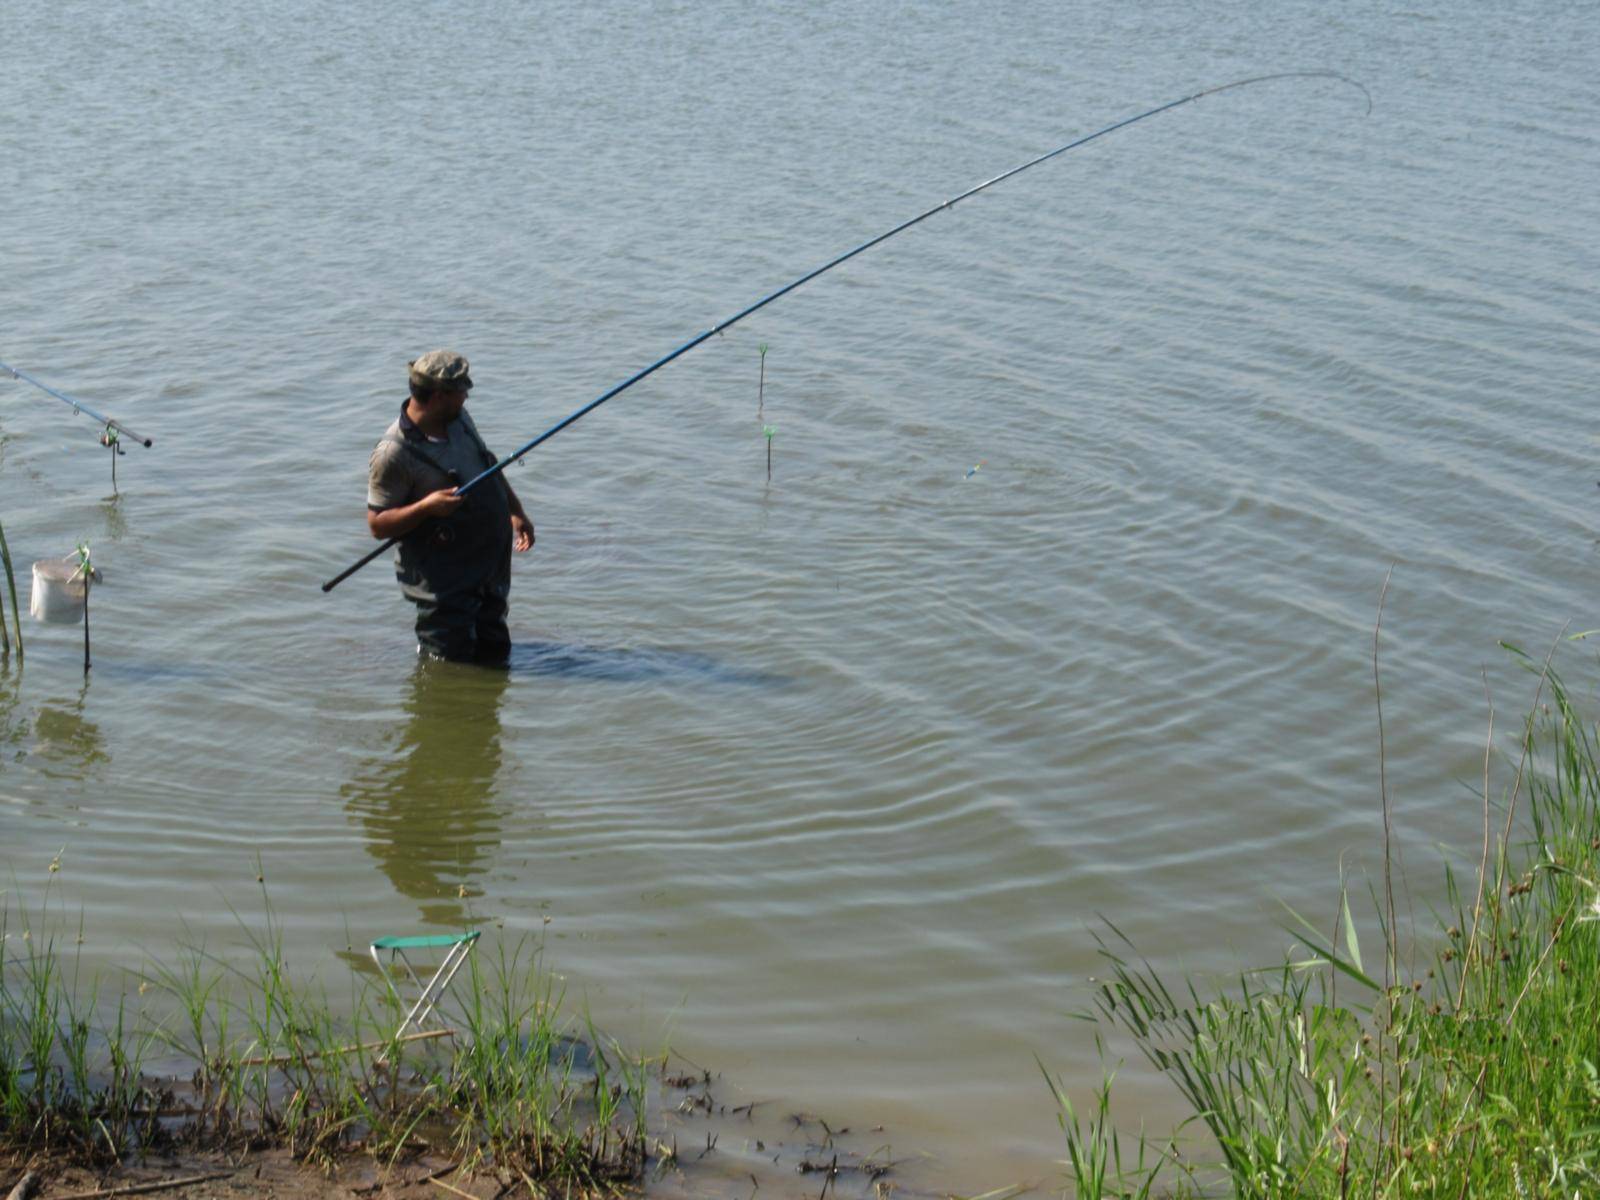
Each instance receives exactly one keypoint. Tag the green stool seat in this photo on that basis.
(417, 943)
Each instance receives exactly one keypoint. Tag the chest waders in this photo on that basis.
(464, 557)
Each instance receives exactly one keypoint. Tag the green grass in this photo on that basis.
(1462, 1059)
(274, 1062)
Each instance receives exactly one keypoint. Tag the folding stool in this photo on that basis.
(459, 948)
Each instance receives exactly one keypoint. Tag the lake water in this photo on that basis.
(822, 779)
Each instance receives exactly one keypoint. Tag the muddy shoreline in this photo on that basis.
(705, 1142)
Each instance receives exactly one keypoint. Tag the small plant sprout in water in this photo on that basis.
(761, 386)
(769, 431)
(86, 569)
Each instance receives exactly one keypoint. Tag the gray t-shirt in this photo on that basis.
(396, 477)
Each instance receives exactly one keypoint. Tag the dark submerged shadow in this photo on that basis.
(622, 665)
(428, 805)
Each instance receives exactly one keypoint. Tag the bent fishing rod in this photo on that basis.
(845, 257)
(78, 406)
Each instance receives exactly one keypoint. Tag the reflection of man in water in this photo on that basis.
(428, 806)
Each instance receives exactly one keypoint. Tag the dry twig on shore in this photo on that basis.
(159, 1185)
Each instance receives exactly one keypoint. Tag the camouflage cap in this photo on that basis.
(441, 366)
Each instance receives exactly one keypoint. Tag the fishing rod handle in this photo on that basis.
(357, 565)
(121, 428)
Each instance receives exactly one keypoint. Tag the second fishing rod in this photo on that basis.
(78, 406)
(828, 266)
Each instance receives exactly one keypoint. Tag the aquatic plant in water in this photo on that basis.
(1467, 1064)
(761, 384)
(11, 587)
(86, 569)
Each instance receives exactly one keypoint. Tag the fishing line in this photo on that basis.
(845, 257)
(78, 406)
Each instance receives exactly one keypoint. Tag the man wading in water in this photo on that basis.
(454, 558)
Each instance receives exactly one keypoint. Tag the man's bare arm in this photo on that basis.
(397, 522)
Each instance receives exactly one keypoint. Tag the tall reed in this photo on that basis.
(11, 587)
(1473, 1071)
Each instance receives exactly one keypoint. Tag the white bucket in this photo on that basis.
(59, 591)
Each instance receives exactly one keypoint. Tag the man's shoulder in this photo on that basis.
(390, 446)
(392, 437)
(389, 475)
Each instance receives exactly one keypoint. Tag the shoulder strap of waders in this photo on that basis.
(471, 431)
(489, 459)
(417, 451)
